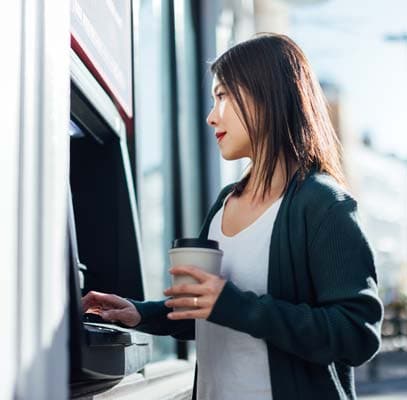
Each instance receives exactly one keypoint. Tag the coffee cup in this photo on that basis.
(202, 253)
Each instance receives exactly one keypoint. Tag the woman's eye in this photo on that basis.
(218, 96)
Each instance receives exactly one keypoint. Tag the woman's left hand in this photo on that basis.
(204, 294)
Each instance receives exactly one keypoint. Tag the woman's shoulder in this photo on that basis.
(324, 187)
(319, 192)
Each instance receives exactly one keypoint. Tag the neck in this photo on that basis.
(278, 182)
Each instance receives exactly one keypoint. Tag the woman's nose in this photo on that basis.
(211, 119)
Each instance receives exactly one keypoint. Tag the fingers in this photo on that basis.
(128, 316)
(193, 314)
(102, 300)
(112, 315)
(187, 302)
(91, 300)
(193, 289)
(93, 310)
(195, 272)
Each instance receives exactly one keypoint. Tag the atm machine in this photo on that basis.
(103, 237)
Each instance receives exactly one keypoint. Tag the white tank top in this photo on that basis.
(233, 365)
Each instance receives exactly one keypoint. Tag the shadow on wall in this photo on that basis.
(46, 378)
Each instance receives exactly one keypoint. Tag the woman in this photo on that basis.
(296, 304)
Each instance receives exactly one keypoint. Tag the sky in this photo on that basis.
(345, 43)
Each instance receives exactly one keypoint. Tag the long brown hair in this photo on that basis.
(290, 116)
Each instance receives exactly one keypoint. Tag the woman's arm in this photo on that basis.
(147, 316)
(154, 321)
(345, 323)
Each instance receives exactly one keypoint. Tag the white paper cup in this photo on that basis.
(204, 254)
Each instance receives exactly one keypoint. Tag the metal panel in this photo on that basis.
(108, 45)
(209, 12)
(43, 177)
(189, 84)
(10, 26)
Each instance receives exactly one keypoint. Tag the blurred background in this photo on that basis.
(359, 52)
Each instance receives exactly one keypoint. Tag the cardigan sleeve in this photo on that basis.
(344, 323)
(155, 322)
(154, 313)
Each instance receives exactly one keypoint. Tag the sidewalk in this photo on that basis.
(384, 378)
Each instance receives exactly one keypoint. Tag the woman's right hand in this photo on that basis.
(111, 308)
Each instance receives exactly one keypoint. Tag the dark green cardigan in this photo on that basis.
(321, 314)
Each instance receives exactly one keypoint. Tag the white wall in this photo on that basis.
(10, 25)
(34, 77)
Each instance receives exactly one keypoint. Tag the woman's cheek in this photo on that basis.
(222, 109)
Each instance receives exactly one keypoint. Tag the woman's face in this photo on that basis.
(231, 134)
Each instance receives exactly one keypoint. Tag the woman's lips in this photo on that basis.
(220, 135)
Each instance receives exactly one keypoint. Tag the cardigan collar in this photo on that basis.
(229, 188)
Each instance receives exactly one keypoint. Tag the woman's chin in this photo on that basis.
(230, 156)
